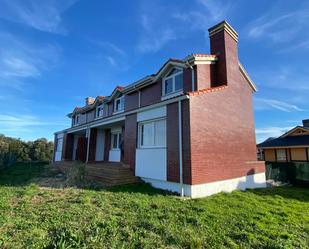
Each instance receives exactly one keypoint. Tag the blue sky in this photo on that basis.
(55, 53)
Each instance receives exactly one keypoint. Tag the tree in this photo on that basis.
(14, 150)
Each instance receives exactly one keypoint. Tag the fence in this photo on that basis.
(296, 173)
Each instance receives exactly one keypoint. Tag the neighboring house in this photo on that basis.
(188, 128)
(291, 146)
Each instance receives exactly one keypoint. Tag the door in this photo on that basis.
(116, 143)
(81, 152)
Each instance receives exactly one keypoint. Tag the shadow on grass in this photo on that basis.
(286, 192)
(44, 175)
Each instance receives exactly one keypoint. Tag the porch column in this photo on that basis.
(88, 131)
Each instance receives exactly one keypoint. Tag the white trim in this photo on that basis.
(207, 189)
(172, 95)
(247, 77)
(121, 116)
(173, 76)
(121, 104)
(180, 147)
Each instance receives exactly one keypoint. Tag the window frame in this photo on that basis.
(97, 114)
(119, 135)
(153, 122)
(173, 76)
(121, 99)
(76, 120)
(281, 158)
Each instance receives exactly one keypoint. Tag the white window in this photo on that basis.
(76, 120)
(119, 104)
(59, 144)
(173, 82)
(152, 134)
(116, 141)
(100, 111)
(281, 155)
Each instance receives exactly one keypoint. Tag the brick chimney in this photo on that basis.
(223, 43)
(89, 100)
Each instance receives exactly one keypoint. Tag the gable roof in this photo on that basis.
(288, 141)
(193, 59)
(295, 129)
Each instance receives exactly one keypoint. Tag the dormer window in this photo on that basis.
(173, 82)
(100, 111)
(119, 104)
(76, 120)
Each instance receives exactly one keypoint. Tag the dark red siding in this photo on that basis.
(151, 94)
(92, 144)
(131, 101)
(130, 139)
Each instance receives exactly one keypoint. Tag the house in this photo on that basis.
(292, 146)
(188, 128)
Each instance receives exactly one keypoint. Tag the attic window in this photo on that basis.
(173, 82)
(119, 104)
(100, 111)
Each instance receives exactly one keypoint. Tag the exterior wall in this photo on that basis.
(151, 94)
(67, 152)
(187, 80)
(99, 154)
(151, 162)
(204, 76)
(130, 138)
(270, 155)
(131, 101)
(173, 143)
(207, 189)
(92, 144)
(222, 135)
(298, 154)
(107, 144)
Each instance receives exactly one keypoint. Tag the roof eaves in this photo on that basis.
(247, 77)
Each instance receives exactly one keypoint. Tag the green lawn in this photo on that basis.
(138, 216)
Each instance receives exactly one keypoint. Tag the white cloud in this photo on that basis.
(164, 26)
(155, 35)
(217, 10)
(42, 15)
(266, 104)
(263, 133)
(24, 125)
(21, 60)
(111, 60)
(280, 28)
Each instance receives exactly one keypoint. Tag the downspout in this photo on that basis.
(180, 148)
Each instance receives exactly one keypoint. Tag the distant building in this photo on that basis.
(291, 146)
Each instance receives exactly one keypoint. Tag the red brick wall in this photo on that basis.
(173, 142)
(130, 139)
(222, 131)
(92, 144)
(204, 76)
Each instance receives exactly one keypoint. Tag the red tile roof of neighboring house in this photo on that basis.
(207, 90)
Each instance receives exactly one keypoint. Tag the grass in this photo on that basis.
(138, 216)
